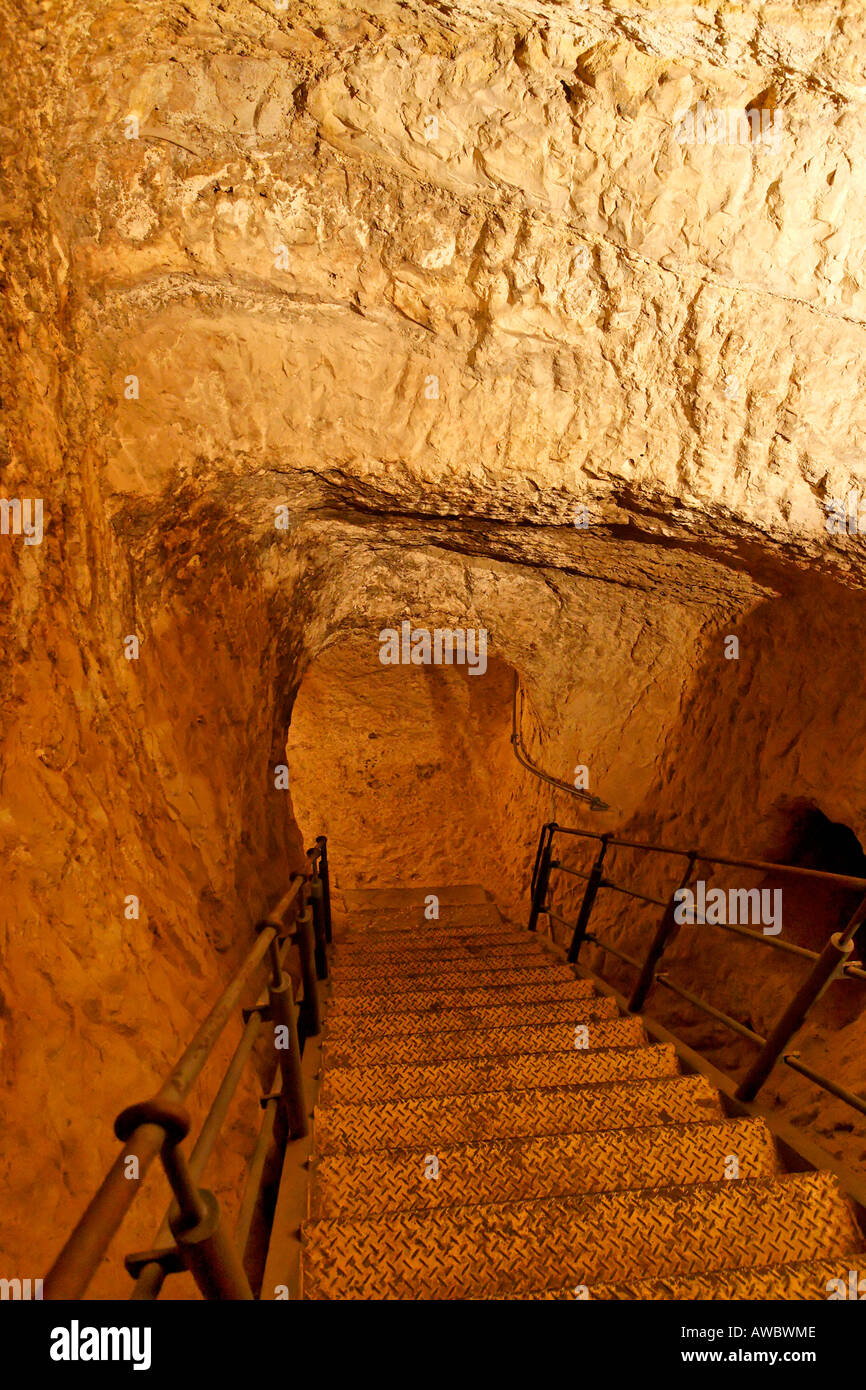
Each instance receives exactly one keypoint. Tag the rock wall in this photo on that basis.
(122, 780)
(758, 740)
(316, 320)
(405, 768)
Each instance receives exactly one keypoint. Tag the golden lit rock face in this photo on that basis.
(415, 760)
(435, 279)
(321, 223)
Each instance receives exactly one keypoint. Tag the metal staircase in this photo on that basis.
(489, 1118)
(488, 1125)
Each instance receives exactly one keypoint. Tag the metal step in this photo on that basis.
(352, 1186)
(395, 940)
(546, 990)
(466, 1251)
(367, 943)
(364, 1027)
(346, 983)
(806, 1279)
(363, 1085)
(450, 1120)
(374, 896)
(424, 957)
(503, 956)
(411, 917)
(596, 1032)
(397, 928)
(464, 962)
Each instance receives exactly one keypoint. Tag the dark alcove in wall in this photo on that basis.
(808, 838)
(813, 841)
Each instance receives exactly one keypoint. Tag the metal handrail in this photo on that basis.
(826, 1084)
(631, 892)
(594, 803)
(827, 966)
(704, 857)
(771, 941)
(612, 950)
(156, 1127)
(719, 1015)
(151, 1273)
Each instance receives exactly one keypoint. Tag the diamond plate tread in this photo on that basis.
(392, 1024)
(420, 943)
(408, 963)
(480, 1042)
(442, 950)
(806, 1279)
(453, 1120)
(546, 991)
(402, 895)
(612, 1237)
(468, 976)
(354, 1186)
(396, 939)
(430, 936)
(362, 1085)
(464, 962)
(411, 917)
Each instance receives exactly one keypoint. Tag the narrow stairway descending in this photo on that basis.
(488, 1124)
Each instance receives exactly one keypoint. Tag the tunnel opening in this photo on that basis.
(804, 836)
(813, 841)
(407, 768)
(809, 839)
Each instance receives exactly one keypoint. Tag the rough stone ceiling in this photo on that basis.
(327, 212)
(326, 209)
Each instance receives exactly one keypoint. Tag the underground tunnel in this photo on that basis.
(397, 752)
(430, 543)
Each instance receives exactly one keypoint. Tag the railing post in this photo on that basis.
(666, 930)
(326, 884)
(592, 887)
(538, 851)
(88, 1243)
(539, 893)
(307, 954)
(84, 1249)
(317, 902)
(208, 1253)
(282, 1012)
(194, 1219)
(828, 964)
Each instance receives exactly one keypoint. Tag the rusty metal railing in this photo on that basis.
(594, 803)
(192, 1235)
(828, 965)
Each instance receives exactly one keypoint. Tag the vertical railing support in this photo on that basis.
(667, 929)
(208, 1252)
(596, 874)
(317, 903)
(326, 884)
(542, 878)
(542, 837)
(194, 1217)
(282, 1011)
(155, 1127)
(307, 953)
(828, 965)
